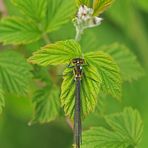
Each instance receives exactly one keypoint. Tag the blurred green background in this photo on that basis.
(125, 22)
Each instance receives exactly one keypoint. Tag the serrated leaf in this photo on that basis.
(82, 2)
(127, 61)
(47, 105)
(101, 105)
(14, 30)
(59, 53)
(100, 6)
(35, 9)
(126, 131)
(91, 40)
(2, 101)
(128, 124)
(14, 72)
(108, 70)
(90, 86)
(59, 13)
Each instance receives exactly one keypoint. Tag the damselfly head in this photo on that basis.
(78, 61)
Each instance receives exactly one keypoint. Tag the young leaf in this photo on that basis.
(59, 53)
(35, 9)
(82, 2)
(108, 70)
(2, 101)
(47, 106)
(59, 13)
(126, 131)
(127, 61)
(14, 30)
(90, 86)
(100, 6)
(15, 73)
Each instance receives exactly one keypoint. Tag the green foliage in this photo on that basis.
(39, 17)
(2, 101)
(90, 86)
(14, 30)
(125, 131)
(108, 70)
(143, 4)
(82, 2)
(100, 6)
(35, 9)
(59, 12)
(101, 74)
(99, 70)
(59, 53)
(47, 105)
(127, 61)
(15, 74)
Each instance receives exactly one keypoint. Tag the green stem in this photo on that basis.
(46, 39)
(79, 33)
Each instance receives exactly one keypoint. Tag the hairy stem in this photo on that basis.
(79, 33)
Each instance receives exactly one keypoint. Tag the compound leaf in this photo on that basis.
(126, 131)
(59, 13)
(35, 9)
(47, 106)
(108, 70)
(14, 30)
(59, 53)
(90, 86)
(127, 61)
(15, 73)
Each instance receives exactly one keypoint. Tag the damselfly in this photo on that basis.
(78, 64)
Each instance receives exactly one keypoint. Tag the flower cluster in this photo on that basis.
(85, 19)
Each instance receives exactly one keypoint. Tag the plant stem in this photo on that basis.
(79, 33)
(46, 39)
(69, 123)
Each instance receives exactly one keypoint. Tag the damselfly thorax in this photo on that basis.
(78, 66)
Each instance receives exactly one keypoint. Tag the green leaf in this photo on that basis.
(142, 4)
(14, 30)
(82, 2)
(126, 60)
(59, 53)
(126, 131)
(59, 13)
(35, 9)
(128, 124)
(108, 70)
(100, 6)
(2, 101)
(47, 105)
(90, 86)
(101, 106)
(15, 73)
